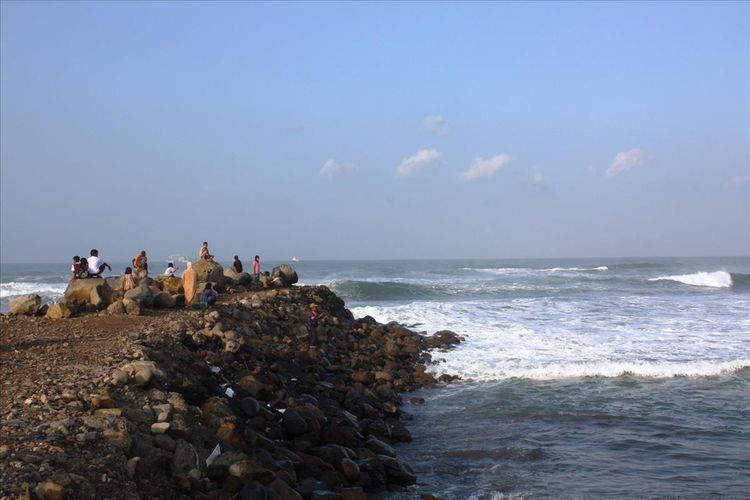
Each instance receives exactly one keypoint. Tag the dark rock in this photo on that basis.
(293, 423)
(286, 273)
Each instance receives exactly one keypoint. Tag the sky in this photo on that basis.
(374, 130)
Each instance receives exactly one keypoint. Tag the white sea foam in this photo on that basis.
(716, 279)
(547, 338)
(502, 271)
(14, 288)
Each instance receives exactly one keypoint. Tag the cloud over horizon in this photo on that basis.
(419, 162)
(332, 169)
(435, 125)
(625, 160)
(484, 168)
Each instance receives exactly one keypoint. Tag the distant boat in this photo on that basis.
(295, 259)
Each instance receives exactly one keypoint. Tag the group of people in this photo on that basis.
(94, 266)
(91, 267)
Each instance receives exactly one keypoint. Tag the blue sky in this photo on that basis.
(374, 130)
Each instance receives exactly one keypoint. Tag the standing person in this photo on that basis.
(96, 265)
(189, 283)
(75, 268)
(203, 253)
(140, 265)
(312, 321)
(237, 264)
(256, 271)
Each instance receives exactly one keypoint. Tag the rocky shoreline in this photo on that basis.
(219, 403)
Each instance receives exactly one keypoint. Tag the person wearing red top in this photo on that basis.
(256, 271)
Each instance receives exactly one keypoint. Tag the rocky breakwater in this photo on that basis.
(230, 403)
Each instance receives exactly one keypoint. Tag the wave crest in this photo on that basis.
(15, 288)
(716, 279)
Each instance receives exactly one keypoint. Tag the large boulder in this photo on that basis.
(140, 294)
(163, 300)
(209, 272)
(286, 273)
(244, 279)
(25, 305)
(171, 284)
(94, 291)
(59, 311)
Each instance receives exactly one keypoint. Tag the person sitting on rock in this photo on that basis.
(203, 252)
(237, 264)
(96, 265)
(170, 269)
(312, 320)
(75, 268)
(209, 296)
(140, 265)
(128, 280)
(83, 269)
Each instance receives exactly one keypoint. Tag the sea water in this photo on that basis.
(587, 378)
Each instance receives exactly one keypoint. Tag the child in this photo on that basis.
(312, 320)
(170, 269)
(75, 268)
(83, 268)
(128, 280)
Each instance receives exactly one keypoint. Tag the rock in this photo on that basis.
(25, 305)
(353, 494)
(210, 272)
(49, 490)
(116, 307)
(286, 272)
(171, 284)
(131, 307)
(160, 427)
(163, 300)
(398, 472)
(140, 294)
(285, 491)
(293, 423)
(185, 458)
(244, 279)
(349, 469)
(102, 401)
(250, 406)
(417, 400)
(94, 291)
(59, 311)
(379, 447)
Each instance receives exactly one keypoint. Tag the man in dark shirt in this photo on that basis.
(237, 264)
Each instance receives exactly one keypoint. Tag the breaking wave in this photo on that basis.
(14, 289)
(716, 279)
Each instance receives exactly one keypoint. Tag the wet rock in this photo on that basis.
(379, 447)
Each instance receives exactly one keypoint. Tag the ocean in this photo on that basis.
(581, 378)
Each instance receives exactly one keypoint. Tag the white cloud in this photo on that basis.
(625, 160)
(332, 169)
(484, 168)
(435, 125)
(422, 160)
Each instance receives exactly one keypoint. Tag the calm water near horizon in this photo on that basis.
(582, 378)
